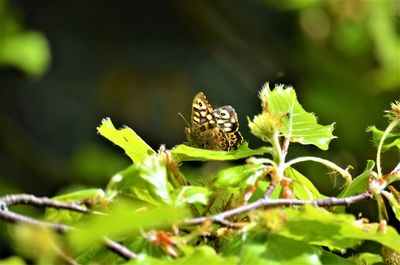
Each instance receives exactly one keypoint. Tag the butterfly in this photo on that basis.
(214, 129)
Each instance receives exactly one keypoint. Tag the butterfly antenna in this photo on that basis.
(180, 114)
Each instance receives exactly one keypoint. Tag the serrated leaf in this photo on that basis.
(187, 153)
(392, 139)
(240, 176)
(127, 139)
(336, 231)
(146, 180)
(303, 188)
(300, 126)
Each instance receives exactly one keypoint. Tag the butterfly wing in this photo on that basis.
(228, 121)
(213, 129)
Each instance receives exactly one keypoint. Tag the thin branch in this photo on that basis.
(390, 127)
(28, 199)
(269, 190)
(265, 202)
(119, 249)
(345, 174)
(18, 218)
(13, 217)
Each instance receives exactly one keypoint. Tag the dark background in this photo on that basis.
(65, 65)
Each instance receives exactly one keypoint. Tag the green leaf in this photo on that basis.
(369, 258)
(122, 221)
(191, 195)
(146, 180)
(240, 176)
(253, 254)
(187, 153)
(392, 139)
(297, 124)
(97, 254)
(394, 204)
(90, 196)
(329, 258)
(303, 188)
(199, 255)
(127, 139)
(360, 183)
(282, 250)
(336, 231)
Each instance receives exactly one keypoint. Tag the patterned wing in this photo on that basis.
(227, 120)
(213, 129)
(202, 114)
(204, 131)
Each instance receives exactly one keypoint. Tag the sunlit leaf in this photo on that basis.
(240, 176)
(187, 153)
(336, 231)
(391, 140)
(360, 183)
(369, 258)
(146, 180)
(127, 139)
(192, 194)
(199, 255)
(124, 220)
(297, 124)
(303, 188)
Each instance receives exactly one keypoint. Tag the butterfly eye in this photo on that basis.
(222, 114)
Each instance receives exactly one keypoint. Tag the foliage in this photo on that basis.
(152, 208)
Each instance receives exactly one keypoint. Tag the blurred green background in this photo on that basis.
(65, 65)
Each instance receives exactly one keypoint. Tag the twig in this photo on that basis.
(265, 202)
(9, 200)
(119, 249)
(18, 218)
(269, 190)
(13, 217)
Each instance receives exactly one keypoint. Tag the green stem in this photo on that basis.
(345, 174)
(277, 148)
(391, 126)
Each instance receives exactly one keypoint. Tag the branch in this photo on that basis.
(119, 249)
(18, 218)
(266, 202)
(13, 217)
(269, 190)
(28, 199)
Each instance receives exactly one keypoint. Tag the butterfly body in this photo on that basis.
(213, 129)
